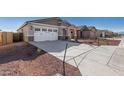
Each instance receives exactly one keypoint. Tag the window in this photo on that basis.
(37, 29)
(49, 30)
(44, 29)
(55, 30)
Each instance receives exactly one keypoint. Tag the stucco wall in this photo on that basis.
(92, 35)
(25, 30)
(86, 34)
(98, 33)
(78, 34)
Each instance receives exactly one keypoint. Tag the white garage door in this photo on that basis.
(45, 34)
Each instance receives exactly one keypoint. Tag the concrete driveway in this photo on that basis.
(90, 59)
(57, 48)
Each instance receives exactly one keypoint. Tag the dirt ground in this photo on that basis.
(22, 59)
(100, 42)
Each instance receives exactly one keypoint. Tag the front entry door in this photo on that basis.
(72, 34)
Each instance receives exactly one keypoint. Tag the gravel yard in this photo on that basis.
(100, 42)
(22, 59)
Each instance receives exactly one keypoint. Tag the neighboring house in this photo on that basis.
(90, 32)
(85, 32)
(101, 33)
(109, 34)
(116, 34)
(105, 33)
(48, 29)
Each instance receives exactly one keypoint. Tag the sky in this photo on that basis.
(115, 24)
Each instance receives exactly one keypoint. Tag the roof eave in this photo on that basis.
(25, 23)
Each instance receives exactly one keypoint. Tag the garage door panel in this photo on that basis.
(45, 36)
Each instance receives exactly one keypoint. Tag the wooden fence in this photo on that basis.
(17, 37)
(6, 38)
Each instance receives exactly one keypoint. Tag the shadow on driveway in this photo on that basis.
(54, 46)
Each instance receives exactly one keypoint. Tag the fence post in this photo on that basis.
(64, 60)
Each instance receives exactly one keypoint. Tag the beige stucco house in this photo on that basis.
(48, 29)
(85, 32)
(105, 33)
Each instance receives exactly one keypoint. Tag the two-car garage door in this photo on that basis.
(45, 34)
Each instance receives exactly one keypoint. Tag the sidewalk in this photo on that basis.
(104, 61)
(122, 43)
(117, 61)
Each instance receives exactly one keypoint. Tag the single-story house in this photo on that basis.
(105, 33)
(85, 32)
(48, 29)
